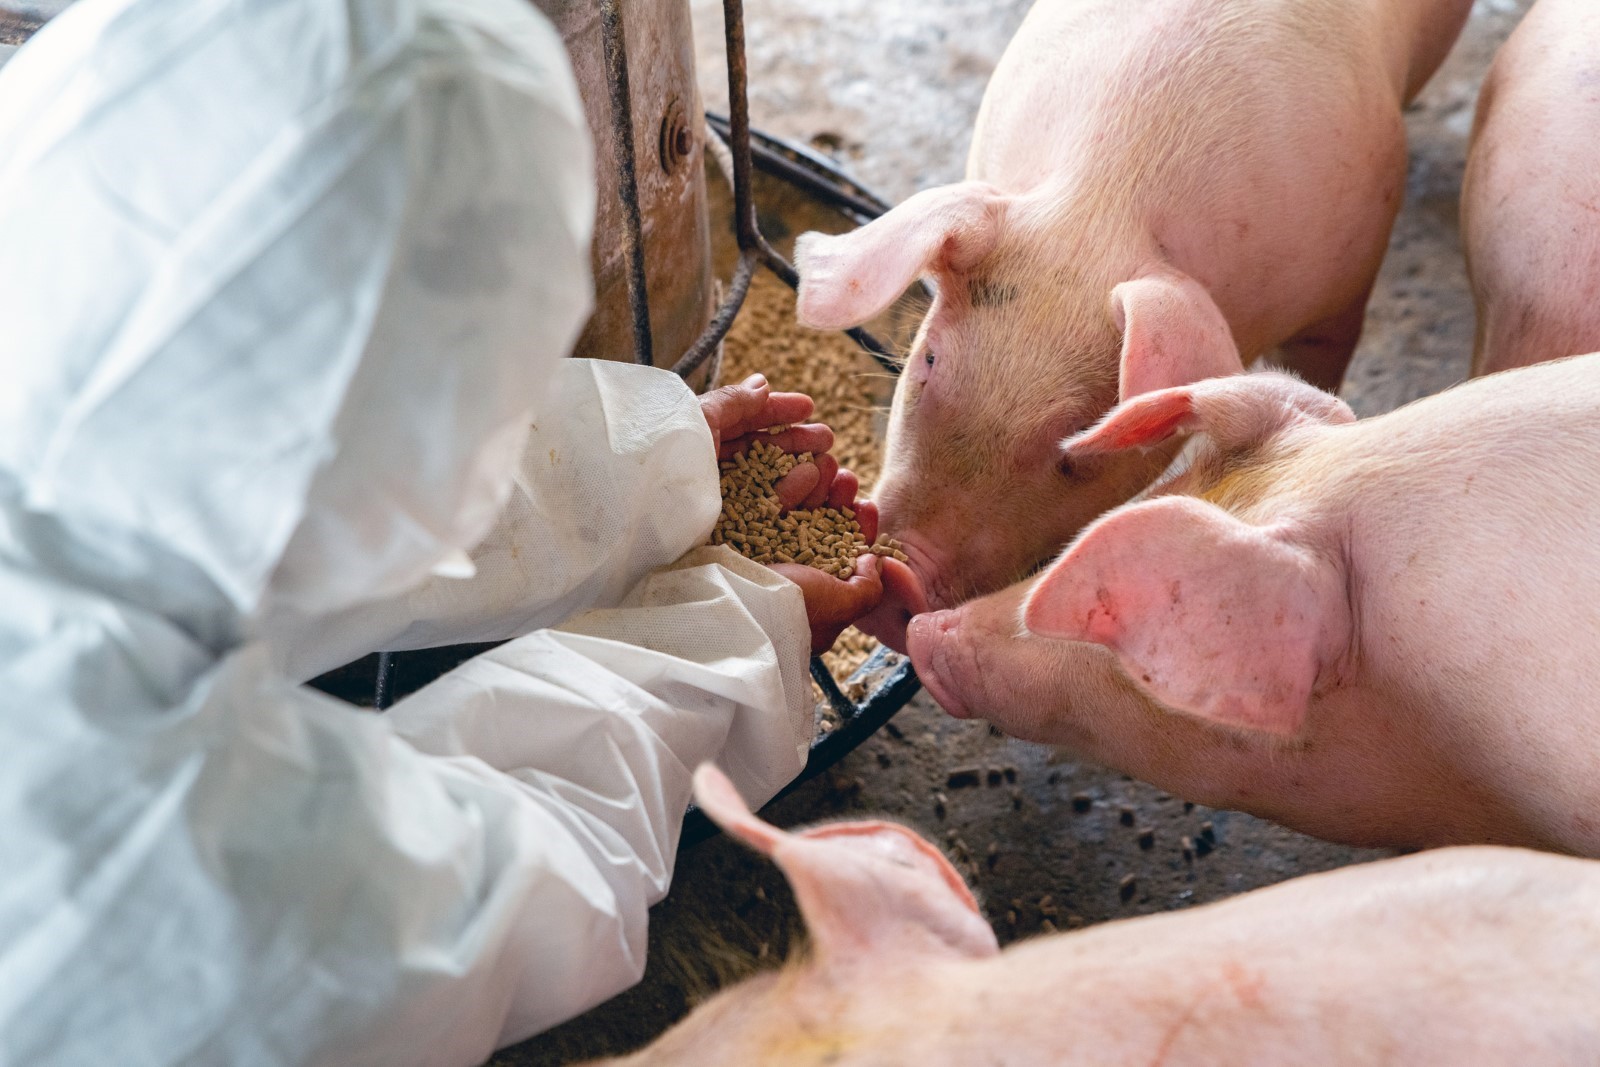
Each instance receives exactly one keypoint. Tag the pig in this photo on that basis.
(1530, 198)
(1380, 632)
(1145, 175)
(1477, 956)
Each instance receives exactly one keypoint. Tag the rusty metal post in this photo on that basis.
(616, 51)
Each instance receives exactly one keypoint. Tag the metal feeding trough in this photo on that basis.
(655, 255)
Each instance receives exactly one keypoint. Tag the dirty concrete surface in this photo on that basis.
(890, 89)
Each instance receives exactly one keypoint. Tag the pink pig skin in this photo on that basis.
(1160, 176)
(1530, 200)
(1381, 632)
(1477, 956)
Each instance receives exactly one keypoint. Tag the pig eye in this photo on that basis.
(1073, 470)
(927, 357)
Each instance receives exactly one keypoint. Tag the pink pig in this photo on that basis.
(1530, 200)
(1467, 956)
(1382, 632)
(1146, 176)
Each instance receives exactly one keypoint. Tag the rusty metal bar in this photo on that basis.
(752, 243)
(744, 205)
(616, 55)
(744, 208)
(722, 321)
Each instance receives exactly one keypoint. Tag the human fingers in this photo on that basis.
(793, 488)
(827, 470)
(727, 409)
(842, 493)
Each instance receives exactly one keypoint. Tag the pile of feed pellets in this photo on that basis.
(754, 524)
(830, 369)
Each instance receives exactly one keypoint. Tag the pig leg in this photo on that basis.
(1321, 352)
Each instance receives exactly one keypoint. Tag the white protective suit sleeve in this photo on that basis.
(259, 875)
(619, 479)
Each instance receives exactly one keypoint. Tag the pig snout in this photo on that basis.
(974, 658)
(941, 658)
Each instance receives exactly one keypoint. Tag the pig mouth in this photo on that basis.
(913, 588)
(903, 600)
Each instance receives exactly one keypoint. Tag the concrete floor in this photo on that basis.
(890, 88)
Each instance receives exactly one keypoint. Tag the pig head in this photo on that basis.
(1197, 180)
(1016, 352)
(1261, 631)
(1171, 639)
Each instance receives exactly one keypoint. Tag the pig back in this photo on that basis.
(1259, 145)
(1467, 521)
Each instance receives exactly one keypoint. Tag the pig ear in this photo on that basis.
(724, 806)
(1208, 614)
(1173, 333)
(847, 279)
(1237, 412)
(866, 889)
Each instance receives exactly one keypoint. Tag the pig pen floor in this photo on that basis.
(890, 90)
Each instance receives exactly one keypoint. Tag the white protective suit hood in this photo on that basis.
(225, 423)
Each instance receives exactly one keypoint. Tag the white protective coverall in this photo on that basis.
(283, 285)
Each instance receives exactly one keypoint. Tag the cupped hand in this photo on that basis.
(832, 604)
(739, 414)
(743, 413)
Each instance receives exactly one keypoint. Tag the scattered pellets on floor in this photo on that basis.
(963, 778)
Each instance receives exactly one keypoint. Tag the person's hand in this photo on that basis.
(739, 414)
(831, 604)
